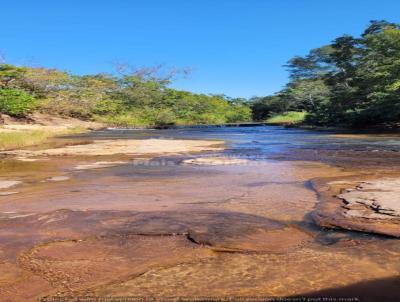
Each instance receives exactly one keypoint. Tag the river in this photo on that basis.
(155, 226)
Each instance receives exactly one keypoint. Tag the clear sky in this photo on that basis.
(236, 47)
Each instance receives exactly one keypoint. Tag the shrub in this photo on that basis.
(290, 117)
(16, 102)
(165, 117)
(125, 119)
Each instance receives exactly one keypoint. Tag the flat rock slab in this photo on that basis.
(99, 164)
(125, 146)
(381, 199)
(5, 184)
(369, 206)
(219, 230)
(58, 178)
(215, 161)
(28, 159)
(83, 265)
(7, 193)
(75, 252)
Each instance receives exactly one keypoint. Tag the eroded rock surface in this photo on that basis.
(219, 230)
(370, 206)
(78, 265)
(264, 275)
(71, 252)
(179, 230)
(374, 199)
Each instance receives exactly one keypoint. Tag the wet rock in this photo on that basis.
(6, 193)
(72, 266)
(99, 164)
(298, 273)
(218, 230)
(5, 184)
(58, 178)
(215, 161)
(27, 159)
(77, 251)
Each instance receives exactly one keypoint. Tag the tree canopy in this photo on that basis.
(351, 81)
(132, 97)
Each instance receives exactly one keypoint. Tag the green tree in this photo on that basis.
(352, 81)
(16, 102)
(306, 94)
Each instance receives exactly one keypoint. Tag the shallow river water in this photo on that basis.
(161, 228)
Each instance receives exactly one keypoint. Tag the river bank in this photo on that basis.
(39, 128)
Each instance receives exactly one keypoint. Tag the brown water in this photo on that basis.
(160, 228)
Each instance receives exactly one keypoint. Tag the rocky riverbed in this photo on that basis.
(178, 213)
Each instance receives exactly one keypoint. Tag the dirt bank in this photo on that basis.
(39, 121)
(38, 129)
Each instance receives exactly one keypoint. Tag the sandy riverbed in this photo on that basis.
(137, 147)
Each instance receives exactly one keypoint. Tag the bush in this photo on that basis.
(165, 117)
(238, 113)
(290, 117)
(140, 98)
(16, 102)
(121, 120)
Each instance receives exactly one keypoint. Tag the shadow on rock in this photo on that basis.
(382, 290)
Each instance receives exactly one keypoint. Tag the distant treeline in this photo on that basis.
(131, 97)
(354, 81)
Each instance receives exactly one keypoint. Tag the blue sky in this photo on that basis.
(236, 47)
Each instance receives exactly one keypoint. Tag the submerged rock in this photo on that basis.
(215, 161)
(99, 164)
(220, 231)
(58, 178)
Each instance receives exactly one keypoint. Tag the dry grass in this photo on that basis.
(290, 117)
(10, 140)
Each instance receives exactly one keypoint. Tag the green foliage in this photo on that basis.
(16, 102)
(139, 97)
(11, 76)
(238, 112)
(305, 94)
(127, 119)
(265, 107)
(352, 81)
(291, 117)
